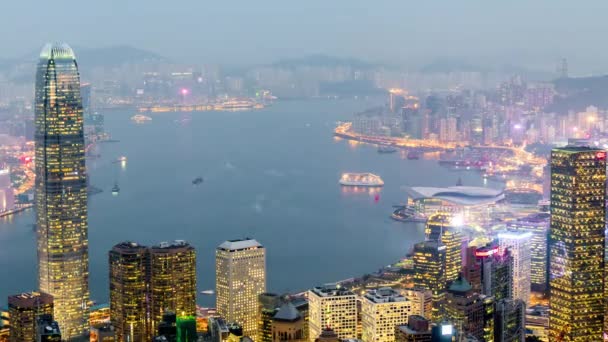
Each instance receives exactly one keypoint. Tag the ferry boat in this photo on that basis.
(386, 149)
(138, 118)
(361, 179)
(208, 292)
(115, 189)
(237, 105)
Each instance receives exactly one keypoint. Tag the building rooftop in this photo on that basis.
(176, 244)
(287, 313)
(458, 195)
(460, 285)
(29, 299)
(384, 295)
(331, 290)
(57, 51)
(235, 245)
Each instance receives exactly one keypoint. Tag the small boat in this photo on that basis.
(386, 149)
(208, 292)
(413, 155)
(115, 189)
(120, 159)
(197, 180)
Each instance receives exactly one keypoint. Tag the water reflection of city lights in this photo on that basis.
(361, 190)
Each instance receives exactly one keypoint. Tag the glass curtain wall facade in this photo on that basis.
(576, 243)
(61, 189)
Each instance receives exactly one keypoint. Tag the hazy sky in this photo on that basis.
(404, 32)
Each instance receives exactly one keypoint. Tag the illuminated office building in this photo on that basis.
(576, 243)
(381, 311)
(538, 225)
(496, 271)
(518, 243)
(61, 189)
(465, 308)
(103, 333)
(172, 280)
(429, 273)
(48, 329)
(416, 330)
(509, 321)
(268, 304)
(128, 291)
(24, 310)
(332, 306)
(440, 227)
(240, 272)
(7, 195)
(421, 300)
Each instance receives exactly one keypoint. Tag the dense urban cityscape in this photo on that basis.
(477, 196)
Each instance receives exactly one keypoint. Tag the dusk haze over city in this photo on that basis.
(315, 171)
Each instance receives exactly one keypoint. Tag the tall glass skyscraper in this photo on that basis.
(61, 189)
(576, 244)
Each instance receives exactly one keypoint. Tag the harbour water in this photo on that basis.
(270, 174)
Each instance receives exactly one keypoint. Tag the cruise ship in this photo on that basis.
(361, 179)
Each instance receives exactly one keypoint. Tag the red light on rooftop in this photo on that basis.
(600, 155)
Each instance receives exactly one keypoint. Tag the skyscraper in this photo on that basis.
(148, 282)
(332, 306)
(240, 273)
(576, 243)
(24, 310)
(465, 308)
(61, 189)
(429, 273)
(518, 243)
(538, 225)
(128, 291)
(496, 271)
(381, 311)
(172, 282)
(439, 227)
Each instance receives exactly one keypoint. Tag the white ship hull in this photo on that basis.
(361, 179)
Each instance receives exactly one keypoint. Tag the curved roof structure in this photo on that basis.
(459, 195)
(57, 51)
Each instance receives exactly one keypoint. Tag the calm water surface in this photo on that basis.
(270, 175)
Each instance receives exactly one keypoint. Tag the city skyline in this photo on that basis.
(375, 202)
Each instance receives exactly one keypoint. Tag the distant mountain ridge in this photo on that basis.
(323, 61)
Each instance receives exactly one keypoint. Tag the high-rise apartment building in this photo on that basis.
(332, 306)
(576, 243)
(429, 272)
(439, 227)
(240, 273)
(172, 280)
(129, 291)
(24, 310)
(61, 189)
(146, 283)
(381, 311)
(518, 243)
